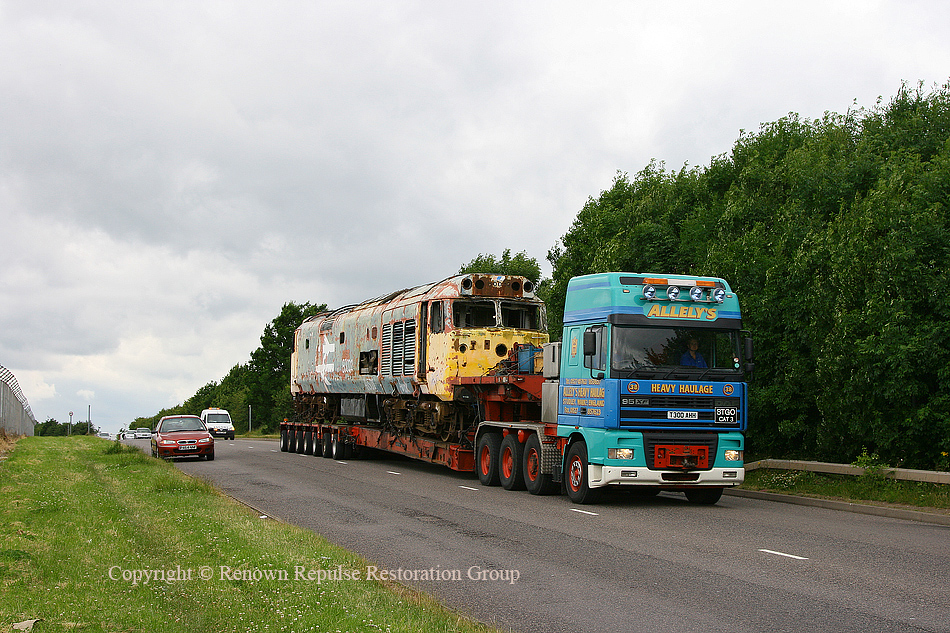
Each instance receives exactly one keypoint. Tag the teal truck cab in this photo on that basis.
(651, 386)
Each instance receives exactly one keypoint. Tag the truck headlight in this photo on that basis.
(619, 453)
(733, 456)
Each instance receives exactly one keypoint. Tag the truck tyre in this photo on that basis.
(535, 481)
(337, 448)
(301, 438)
(292, 439)
(486, 458)
(326, 446)
(308, 442)
(509, 464)
(575, 475)
(704, 496)
(283, 439)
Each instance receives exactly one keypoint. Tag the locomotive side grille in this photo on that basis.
(385, 365)
(396, 368)
(409, 348)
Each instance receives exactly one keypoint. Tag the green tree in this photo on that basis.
(519, 264)
(834, 232)
(268, 376)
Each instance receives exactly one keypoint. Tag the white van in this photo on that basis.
(218, 422)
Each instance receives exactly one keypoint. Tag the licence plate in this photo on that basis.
(188, 448)
(682, 415)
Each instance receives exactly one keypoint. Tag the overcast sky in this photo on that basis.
(172, 172)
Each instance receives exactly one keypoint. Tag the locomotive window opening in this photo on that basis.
(306, 344)
(342, 337)
(520, 316)
(474, 314)
(436, 320)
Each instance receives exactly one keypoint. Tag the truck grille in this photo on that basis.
(678, 411)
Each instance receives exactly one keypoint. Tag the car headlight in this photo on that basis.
(619, 453)
(205, 440)
(168, 443)
(733, 456)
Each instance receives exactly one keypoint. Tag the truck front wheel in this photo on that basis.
(704, 496)
(486, 458)
(575, 475)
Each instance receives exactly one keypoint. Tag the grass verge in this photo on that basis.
(95, 536)
(870, 488)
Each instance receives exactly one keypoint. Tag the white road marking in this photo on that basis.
(339, 462)
(593, 514)
(468, 488)
(769, 551)
(393, 472)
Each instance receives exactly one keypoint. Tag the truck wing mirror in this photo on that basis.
(590, 343)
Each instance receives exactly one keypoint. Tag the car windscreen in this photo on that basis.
(170, 426)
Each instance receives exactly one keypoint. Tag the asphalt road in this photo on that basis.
(625, 565)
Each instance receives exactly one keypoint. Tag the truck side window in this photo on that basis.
(594, 356)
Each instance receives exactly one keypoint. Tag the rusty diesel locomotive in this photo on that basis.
(411, 362)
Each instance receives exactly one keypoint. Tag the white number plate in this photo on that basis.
(682, 415)
(191, 447)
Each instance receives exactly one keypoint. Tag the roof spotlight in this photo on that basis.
(673, 293)
(649, 293)
(719, 295)
(696, 293)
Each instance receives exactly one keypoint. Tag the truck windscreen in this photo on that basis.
(634, 348)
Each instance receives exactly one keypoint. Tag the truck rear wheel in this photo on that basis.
(575, 475)
(292, 440)
(283, 439)
(704, 496)
(535, 481)
(486, 458)
(308, 442)
(326, 444)
(509, 465)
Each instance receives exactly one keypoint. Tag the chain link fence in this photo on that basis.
(16, 417)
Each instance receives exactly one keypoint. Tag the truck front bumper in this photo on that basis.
(599, 476)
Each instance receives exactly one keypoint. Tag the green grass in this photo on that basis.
(75, 511)
(868, 488)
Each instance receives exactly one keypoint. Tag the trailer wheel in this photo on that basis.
(326, 446)
(575, 475)
(704, 496)
(337, 448)
(509, 465)
(308, 442)
(535, 481)
(301, 437)
(486, 461)
(283, 439)
(292, 440)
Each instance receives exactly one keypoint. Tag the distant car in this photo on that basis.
(182, 436)
(130, 435)
(140, 433)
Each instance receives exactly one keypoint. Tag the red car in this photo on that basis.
(182, 436)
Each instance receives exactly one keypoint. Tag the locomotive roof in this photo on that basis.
(407, 293)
